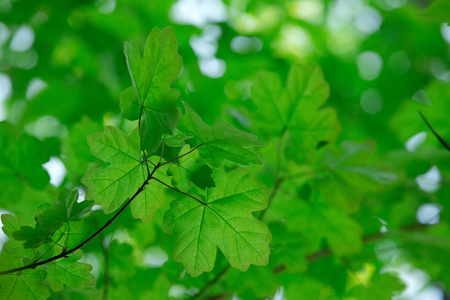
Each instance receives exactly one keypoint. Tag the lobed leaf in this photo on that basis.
(224, 220)
(113, 185)
(151, 95)
(70, 272)
(295, 109)
(220, 141)
(190, 170)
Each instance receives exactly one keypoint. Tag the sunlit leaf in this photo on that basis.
(190, 169)
(220, 141)
(150, 94)
(224, 220)
(113, 185)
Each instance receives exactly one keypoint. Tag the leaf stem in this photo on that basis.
(178, 191)
(193, 149)
(210, 283)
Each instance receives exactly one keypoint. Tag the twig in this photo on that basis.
(66, 253)
(212, 282)
(178, 191)
(193, 149)
(443, 142)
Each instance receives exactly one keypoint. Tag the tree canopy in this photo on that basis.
(224, 149)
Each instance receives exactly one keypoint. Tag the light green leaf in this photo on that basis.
(71, 234)
(224, 220)
(113, 185)
(27, 284)
(11, 224)
(380, 286)
(151, 94)
(69, 272)
(220, 141)
(295, 109)
(177, 139)
(190, 169)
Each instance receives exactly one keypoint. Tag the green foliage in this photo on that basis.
(110, 186)
(219, 141)
(289, 152)
(150, 98)
(223, 219)
(295, 109)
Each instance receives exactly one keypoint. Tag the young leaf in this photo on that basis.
(27, 284)
(66, 209)
(151, 94)
(112, 185)
(224, 220)
(190, 170)
(295, 109)
(220, 141)
(69, 272)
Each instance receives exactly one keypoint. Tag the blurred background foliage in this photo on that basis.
(62, 69)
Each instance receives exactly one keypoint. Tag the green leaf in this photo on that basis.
(66, 209)
(113, 185)
(151, 94)
(71, 234)
(11, 224)
(439, 10)
(34, 237)
(224, 220)
(220, 141)
(348, 174)
(318, 220)
(177, 139)
(21, 159)
(27, 284)
(69, 272)
(295, 109)
(380, 286)
(190, 169)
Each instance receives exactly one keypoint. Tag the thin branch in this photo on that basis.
(212, 282)
(178, 191)
(66, 253)
(443, 142)
(272, 195)
(169, 161)
(368, 239)
(162, 152)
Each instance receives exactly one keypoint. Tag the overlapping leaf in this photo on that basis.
(151, 95)
(224, 220)
(348, 174)
(190, 170)
(27, 284)
(296, 109)
(220, 141)
(112, 185)
(67, 271)
(66, 209)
